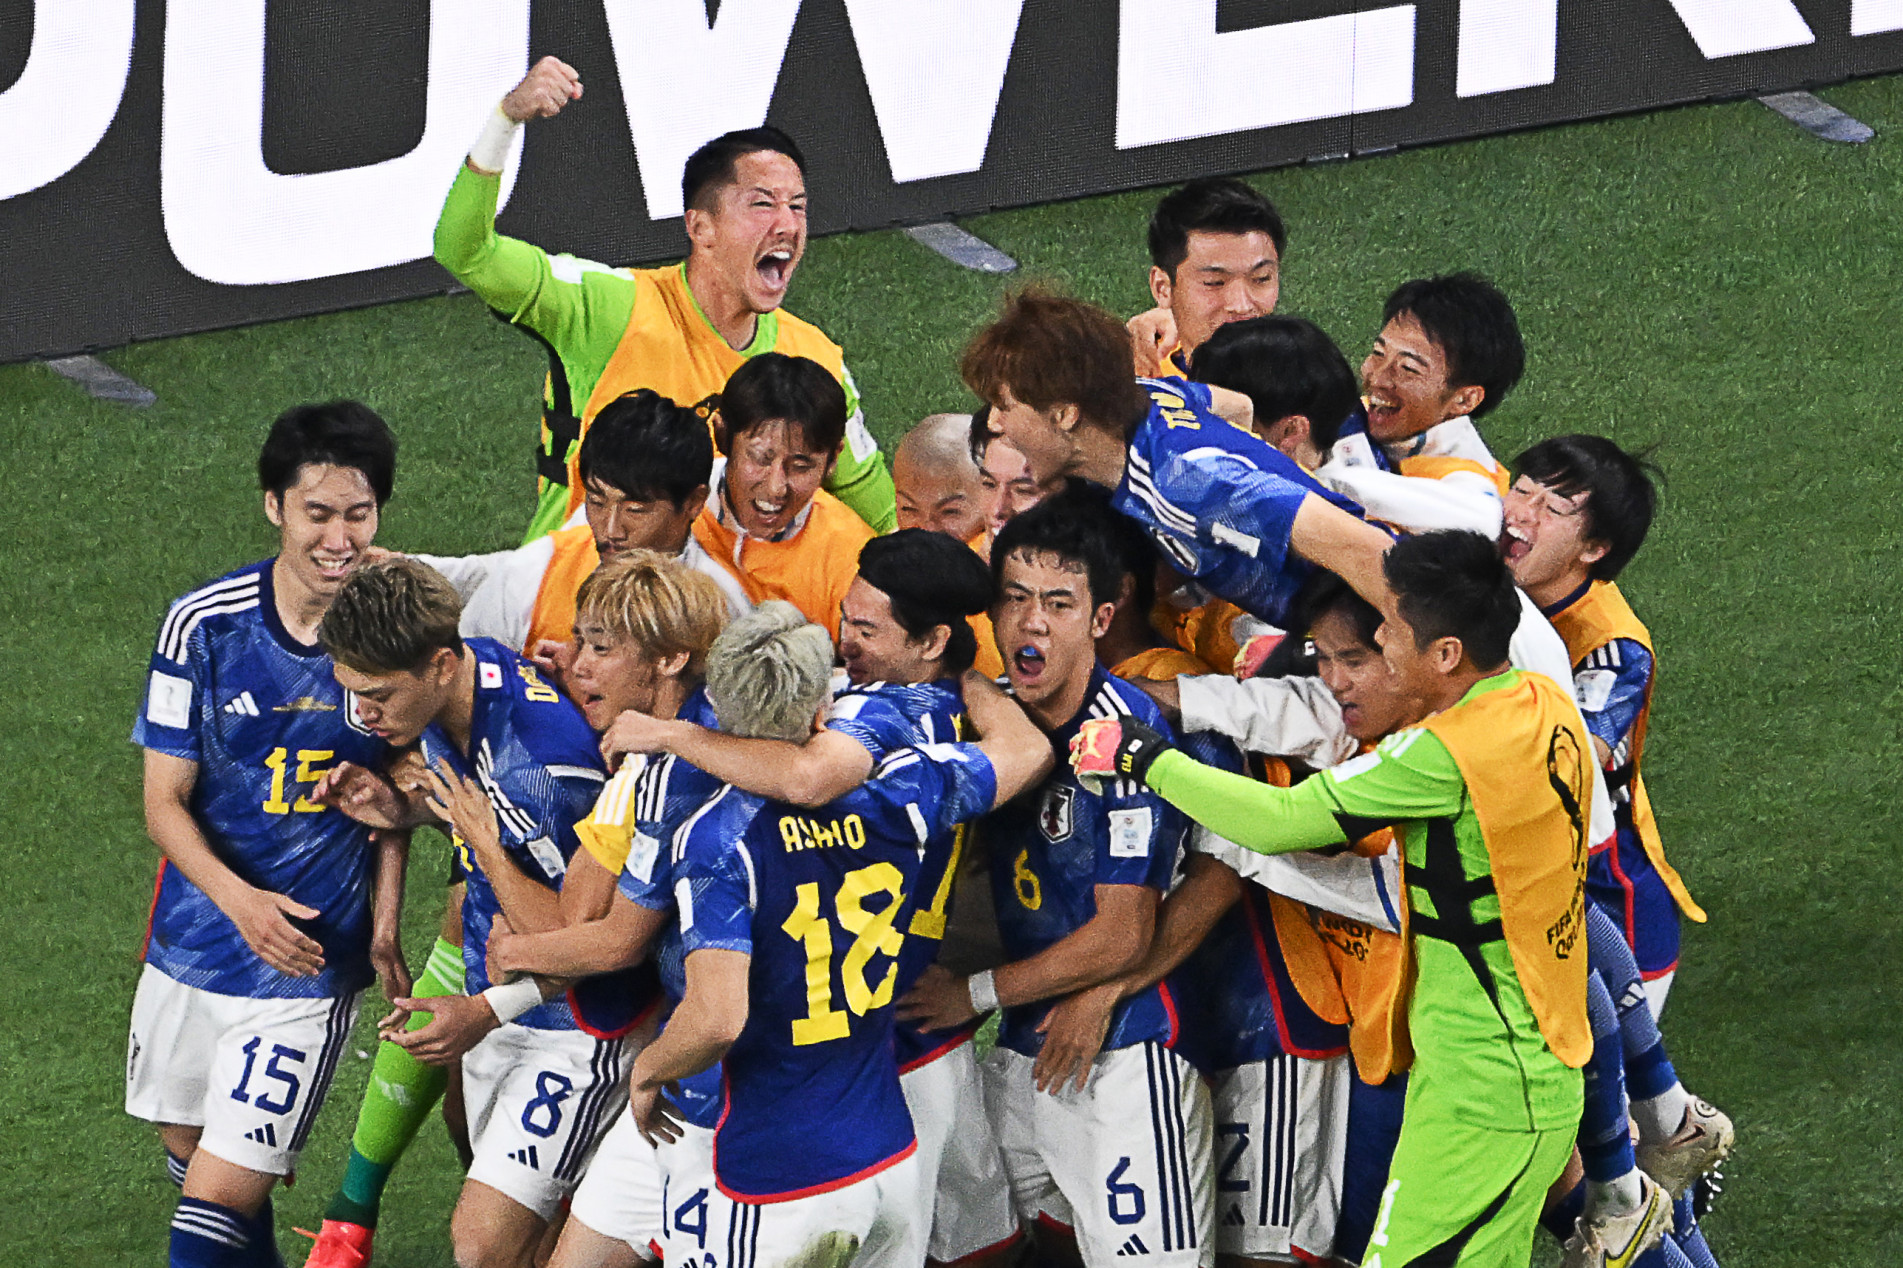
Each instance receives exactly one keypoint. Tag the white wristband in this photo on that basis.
(490, 153)
(984, 991)
(510, 1000)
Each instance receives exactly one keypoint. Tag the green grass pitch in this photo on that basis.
(1709, 280)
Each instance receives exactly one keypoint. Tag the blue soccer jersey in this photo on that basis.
(886, 717)
(264, 719)
(666, 795)
(819, 899)
(533, 753)
(1218, 501)
(1050, 848)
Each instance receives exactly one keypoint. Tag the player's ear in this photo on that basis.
(274, 508)
(1466, 400)
(1065, 417)
(700, 228)
(937, 639)
(1446, 653)
(1101, 618)
(1593, 551)
(695, 501)
(1161, 287)
(674, 664)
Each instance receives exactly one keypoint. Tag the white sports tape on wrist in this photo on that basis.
(512, 999)
(984, 991)
(490, 153)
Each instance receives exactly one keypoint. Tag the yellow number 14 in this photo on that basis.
(873, 935)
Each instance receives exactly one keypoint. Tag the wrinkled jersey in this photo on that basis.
(1219, 502)
(1051, 847)
(819, 899)
(264, 719)
(885, 717)
(533, 753)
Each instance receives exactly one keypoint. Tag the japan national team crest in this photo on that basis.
(1057, 815)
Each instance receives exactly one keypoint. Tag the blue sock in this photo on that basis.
(1560, 1218)
(175, 1169)
(1648, 1071)
(1686, 1234)
(1605, 1137)
(207, 1235)
(264, 1239)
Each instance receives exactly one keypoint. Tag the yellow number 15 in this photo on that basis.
(874, 935)
(306, 773)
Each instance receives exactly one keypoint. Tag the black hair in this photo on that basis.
(1325, 594)
(1453, 584)
(795, 390)
(931, 579)
(1284, 365)
(1213, 204)
(1620, 496)
(647, 448)
(1472, 323)
(335, 434)
(712, 167)
(1064, 525)
(980, 434)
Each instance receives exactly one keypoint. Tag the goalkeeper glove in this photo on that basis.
(1114, 748)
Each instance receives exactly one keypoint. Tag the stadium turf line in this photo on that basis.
(1708, 280)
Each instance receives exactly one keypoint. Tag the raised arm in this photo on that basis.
(825, 767)
(1331, 538)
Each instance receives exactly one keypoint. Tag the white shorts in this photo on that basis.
(1125, 1163)
(251, 1072)
(538, 1102)
(870, 1223)
(1281, 1132)
(964, 1195)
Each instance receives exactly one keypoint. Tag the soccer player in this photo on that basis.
(646, 467)
(782, 423)
(1488, 791)
(1448, 353)
(513, 766)
(270, 909)
(814, 1149)
(936, 479)
(905, 641)
(1215, 256)
(1578, 511)
(681, 330)
(1004, 478)
(1295, 377)
(1229, 511)
(1076, 876)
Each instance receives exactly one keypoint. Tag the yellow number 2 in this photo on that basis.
(306, 774)
(873, 935)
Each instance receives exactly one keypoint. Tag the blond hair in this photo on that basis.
(769, 672)
(656, 603)
(390, 615)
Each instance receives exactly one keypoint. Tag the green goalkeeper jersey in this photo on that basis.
(1479, 1050)
(610, 330)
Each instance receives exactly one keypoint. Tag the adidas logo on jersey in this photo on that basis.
(242, 705)
(1134, 1246)
(265, 1135)
(527, 1158)
(1234, 1216)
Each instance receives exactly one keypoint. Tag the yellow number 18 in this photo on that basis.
(873, 935)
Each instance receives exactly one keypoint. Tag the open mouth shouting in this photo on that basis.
(775, 268)
(1028, 664)
(1514, 544)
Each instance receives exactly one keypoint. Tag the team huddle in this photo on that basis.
(1189, 810)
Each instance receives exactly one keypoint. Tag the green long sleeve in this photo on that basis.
(1255, 815)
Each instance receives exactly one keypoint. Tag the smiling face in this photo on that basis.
(772, 475)
(1544, 541)
(325, 521)
(621, 523)
(938, 500)
(1225, 277)
(1405, 381)
(755, 235)
(876, 648)
(398, 706)
(1372, 702)
(1047, 631)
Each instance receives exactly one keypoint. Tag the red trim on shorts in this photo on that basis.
(767, 1199)
(656, 1248)
(1169, 1010)
(152, 912)
(1308, 1257)
(951, 1045)
(1017, 1235)
(1269, 983)
(1631, 899)
(1057, 1224)
(1655, 974)
(620, 1032)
